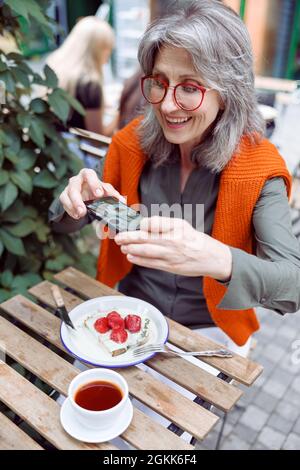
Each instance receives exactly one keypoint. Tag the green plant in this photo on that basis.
(35, 161)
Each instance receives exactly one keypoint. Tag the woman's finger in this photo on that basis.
(140, 236)
(85, 185)
(90, 178)
(109, 190)
(147, 251)
(148, 262)
(158, 224)
(74, 192)
(67, 204)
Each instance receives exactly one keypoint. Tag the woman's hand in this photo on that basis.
(83, 187)
(173, 245)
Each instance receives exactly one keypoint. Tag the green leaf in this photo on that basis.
(12, 139)
(26, 160)
(73, 102)
(1, 248)
(38, 79)
(22, 180)
(16, 57)
(25, 281)
(60, 170)
(42, 231)
(12, 244)
(30, 211)
(38, 105)
(7, 278)
(21, 77)
(24, 67)
(36, 133)
(9, 81)
(3, 138)
(1, 155)
(24, 120)
(18, 211)
(48, 129)
(35, 11)
(3, 177)
(14, 213)
(18, 7)
(59, 263)
(11, 155)
(54, 152)
(3, 65)
(51, 77)
(59, 105)
(44, 179)
(8, 194)
(75, 164)
(30, 263)
(4, 295)
(22, 229)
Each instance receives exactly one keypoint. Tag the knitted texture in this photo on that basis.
(241, 183)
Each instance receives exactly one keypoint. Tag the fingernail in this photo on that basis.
(98, 192)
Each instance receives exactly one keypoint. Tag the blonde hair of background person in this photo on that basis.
(79, 60)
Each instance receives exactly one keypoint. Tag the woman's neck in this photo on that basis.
(186, 167)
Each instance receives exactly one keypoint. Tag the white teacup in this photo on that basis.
(98, 419)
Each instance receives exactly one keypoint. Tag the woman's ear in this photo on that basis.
(221, 103)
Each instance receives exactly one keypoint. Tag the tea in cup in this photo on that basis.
(98, 397)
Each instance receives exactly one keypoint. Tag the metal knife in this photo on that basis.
(61, 308)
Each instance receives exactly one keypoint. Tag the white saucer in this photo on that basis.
(76, 430)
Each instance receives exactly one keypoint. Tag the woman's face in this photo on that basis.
(174, 65)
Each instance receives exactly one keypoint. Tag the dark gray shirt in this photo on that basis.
(271, 279)
(178, 297)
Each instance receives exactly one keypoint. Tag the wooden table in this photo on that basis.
(30, 335)
(275, 84)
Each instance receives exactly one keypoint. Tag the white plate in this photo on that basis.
(76, 430)
(89, 351)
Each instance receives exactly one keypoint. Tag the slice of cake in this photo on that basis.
(119, 340)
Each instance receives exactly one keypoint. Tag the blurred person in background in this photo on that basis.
(132, 101)
(78, 64)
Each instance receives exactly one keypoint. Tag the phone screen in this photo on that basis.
(114, 213)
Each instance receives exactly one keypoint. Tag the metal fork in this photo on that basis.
(163, 348)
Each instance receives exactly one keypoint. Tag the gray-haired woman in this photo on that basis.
(199, 144)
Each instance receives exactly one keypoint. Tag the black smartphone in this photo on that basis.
(115, 214)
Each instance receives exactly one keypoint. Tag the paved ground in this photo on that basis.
(268, 415)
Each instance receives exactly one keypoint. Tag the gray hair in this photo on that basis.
(220, 48)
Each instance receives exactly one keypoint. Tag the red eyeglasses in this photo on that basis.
(187, 96)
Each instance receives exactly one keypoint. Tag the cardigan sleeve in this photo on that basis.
(271, 279)
(111, 170)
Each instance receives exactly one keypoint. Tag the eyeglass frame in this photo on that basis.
(167, 86)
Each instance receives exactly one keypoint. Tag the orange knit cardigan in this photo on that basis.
(240, 185)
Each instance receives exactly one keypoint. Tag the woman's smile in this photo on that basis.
(177, 122)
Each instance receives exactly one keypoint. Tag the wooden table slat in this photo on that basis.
(239, 368)
(196, 380)
(158, 396)
(38, 410)
(13, 438)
